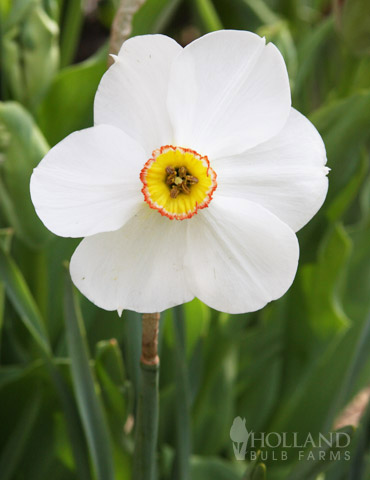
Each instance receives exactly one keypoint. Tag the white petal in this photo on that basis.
(286, 174)
(89, 182)
(139, 267)
(240, 256)
(132, 93)
(228, 92)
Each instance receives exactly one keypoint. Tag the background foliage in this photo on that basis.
(67, 385)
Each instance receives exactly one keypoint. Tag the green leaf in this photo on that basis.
(5, 239)
(356, 294)
(22, 147)
(344, 126)
(70, 32)
(355, 25)
(213, 408)
(362, 441)
(132, 346)
(347, 195)
(208, 15)
(312, 464)
(255, 470)
(117, 396)
(197, 316)
(203, 468)
(30, 54)
(16, 443)
(68, 104)
(259, 473)
(320, 281)
(309, 53)
(353, 468)
(13, 373)
(153, 16)
(341, 362)
(259, 370)
(22, 300)
(111, 375)
(15, 11)
(73, 424)
(88, 401)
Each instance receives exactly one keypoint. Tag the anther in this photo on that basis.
(174, 191)
(185, 188)
(191, 180)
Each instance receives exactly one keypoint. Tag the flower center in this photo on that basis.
(178, 182)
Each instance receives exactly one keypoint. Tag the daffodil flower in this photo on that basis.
(192, 181)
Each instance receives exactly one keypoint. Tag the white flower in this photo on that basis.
(193, 180)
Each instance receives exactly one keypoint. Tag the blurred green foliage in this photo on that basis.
(68, 386)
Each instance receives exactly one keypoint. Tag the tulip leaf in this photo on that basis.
(22, 146)
(88, 401)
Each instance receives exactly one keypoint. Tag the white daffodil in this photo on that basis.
(192, 181)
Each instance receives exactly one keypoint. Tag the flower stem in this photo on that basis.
(182, 408)
(122, 25)
(144, 466)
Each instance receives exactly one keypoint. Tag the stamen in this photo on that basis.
(174, 191)
(179, 179)
(191, 180)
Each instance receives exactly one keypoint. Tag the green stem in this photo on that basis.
(146, 432)
(182, 409)
(70, 32)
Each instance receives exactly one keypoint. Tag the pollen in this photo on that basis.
(178, 182)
